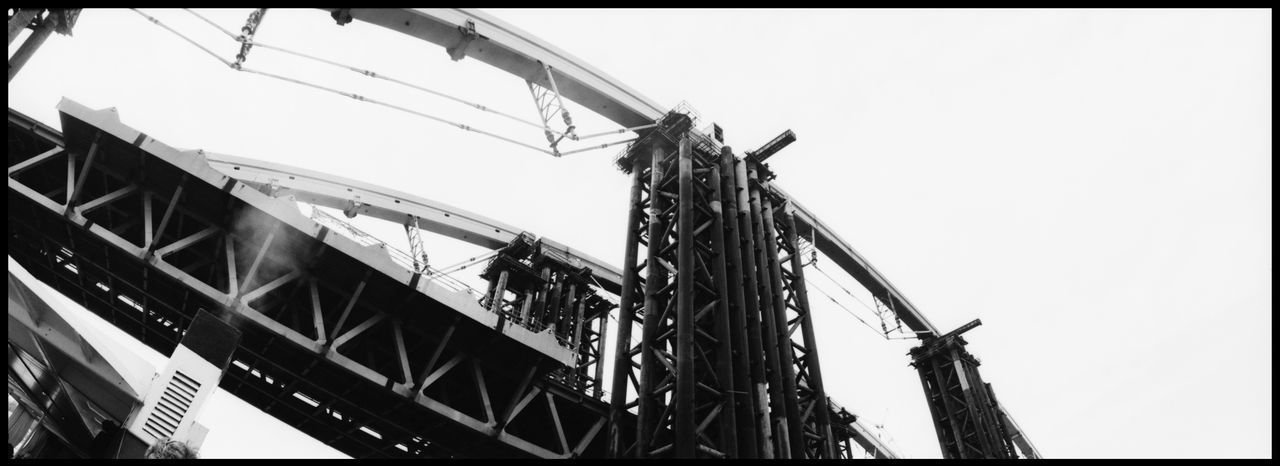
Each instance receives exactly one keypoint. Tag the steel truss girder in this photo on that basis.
(238, 298)
(159, 314)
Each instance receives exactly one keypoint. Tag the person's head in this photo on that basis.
(166, 448)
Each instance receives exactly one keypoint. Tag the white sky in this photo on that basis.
(1094, 185)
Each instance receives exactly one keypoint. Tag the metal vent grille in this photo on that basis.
(173, 405)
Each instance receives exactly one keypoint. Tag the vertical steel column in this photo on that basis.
(540, 305)
(684, 426)
(578, 324)
(603, 335)
(586, 355)
(752, 300)
(811, 359)
(973, 403)
(772, 349)
(566, 311)
(487, 302)
(786, 358)
(552, 312)
(648, 402)
(526, 304)
(626, 310)
(500, 292)
(685, 393)
(749, 436)
(951, 407)
(1003, 430)
(724, 349)
(932, 398)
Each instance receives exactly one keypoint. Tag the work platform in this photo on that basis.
(338, 340)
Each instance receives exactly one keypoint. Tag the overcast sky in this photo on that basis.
(1094, 185)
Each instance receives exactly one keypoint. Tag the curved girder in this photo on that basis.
(337, 192)
(510, 49)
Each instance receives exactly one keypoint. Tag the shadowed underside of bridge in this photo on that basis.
(338, 341)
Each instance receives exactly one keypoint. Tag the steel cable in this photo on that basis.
(357, 96)
(376, 75)
(846, 309)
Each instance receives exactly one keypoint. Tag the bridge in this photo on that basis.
(379, 355)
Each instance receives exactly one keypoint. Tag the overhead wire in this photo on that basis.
(188, 39)
(384, 77)
(846, 309)
(601, 146)
(846, 290)
(863, 303)
(347, 94)
(376, 75)
(465, 263)
(230, 34)
(359, 97)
